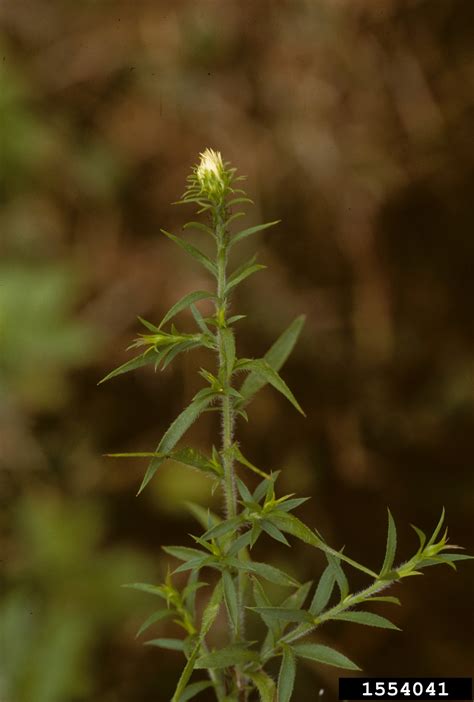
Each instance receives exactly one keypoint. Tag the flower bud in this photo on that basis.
(210, 173)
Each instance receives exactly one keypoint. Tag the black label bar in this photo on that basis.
(405, 689)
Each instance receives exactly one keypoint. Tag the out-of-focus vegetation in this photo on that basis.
(353, 119)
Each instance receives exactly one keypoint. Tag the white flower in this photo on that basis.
(210, 171)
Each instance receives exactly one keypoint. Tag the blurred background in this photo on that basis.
(353, 120)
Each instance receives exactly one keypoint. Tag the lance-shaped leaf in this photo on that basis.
(324, 591)
(275, 357)
(171, 644)
(340, 576)
(174, 433)
(205, 517)
(391, 546)
(243, 272)
(227, 657)
(183, 303)
(148, 588)
(152, 619)
(211, 610)
(187, 456)
(144, 359)
(367, 618)
(228, 343)
(194, 252)
(268, 572)
(283, 614)
(184, 553)
(273, 531)
(186, 674)
(324, 654)
(240, 458)
(263, 369)
(231, 599)
(194, 689)
(286, 677)
(244, 233)
(264, 684)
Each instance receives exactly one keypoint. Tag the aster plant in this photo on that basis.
(236, 668)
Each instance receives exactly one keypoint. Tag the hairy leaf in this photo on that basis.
(263, 369)
(172, 644)
(194, 252)
(251, 230)
(367, 618)
(174, 433)
(283, 614)
(183, 303)
(152, 619)
(324, 654)
(286, 677)
(227, 657)
(323, 591)
(231, 599)
(275, 357)
(265, 685)
(391, 546)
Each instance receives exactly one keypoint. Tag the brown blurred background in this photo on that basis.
(353, 120)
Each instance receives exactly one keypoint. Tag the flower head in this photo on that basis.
(211, 172)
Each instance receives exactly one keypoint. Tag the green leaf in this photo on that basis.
(174, 433)
(421, 535)
(171, 644)
(243, 272)
(152, 619)
(385, 598)
(294, 526)
(194, 689)
(263, 369)
(251, 230)
(283, 614)
(200, 226)
(265, 685)
(231, 599)
(175, 349)
(194, 252)
(240, 458)
(391, 546)
(339, 574)
(223, 528)
(323, 591)
(437, 529)
(183, 553)
(275, 357)
(273, 531)
(186, 674)
(137, 362)
(297, 599)
(367, 618)
(211, 610)
(324, 654)
(268, 572)
(183, 303)
(228, 339)
(205, 517)
(146, 587)
(227, 657)
(286, 677)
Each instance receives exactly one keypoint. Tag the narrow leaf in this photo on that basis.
(152, 619)
(251, 230)
(243, 272)
(367, 618)
(227, 657)
(273, 531)
(183, 303)
(324, 654)
(264, 370)
(231, 599)
(137, 362)
(171, 644)
(211, 610)
(286, 678)
(194, 689)
(265, 685)
(186, 674)
(391, 546)
(284, 614)
(323, 591)
(268, 572)
(194, 252)
(174, 433)
(275, 357)
(184, 553)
